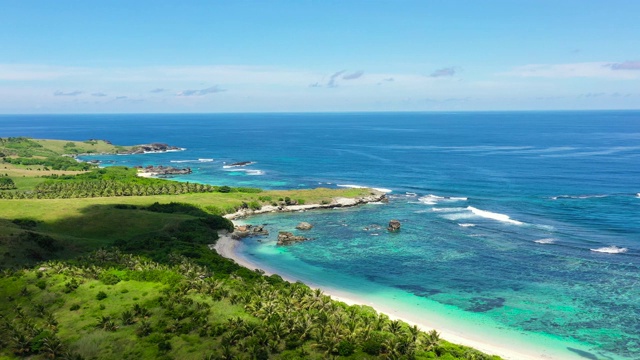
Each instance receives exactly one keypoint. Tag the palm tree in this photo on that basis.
(431, 340)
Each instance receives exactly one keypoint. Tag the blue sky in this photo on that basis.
(251, 56)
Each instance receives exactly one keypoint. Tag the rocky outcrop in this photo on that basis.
(287, 238)
(394, 225)
(163, 170)
(150, 148)
(304, 226)
(243, 231)
(241, 163)
(374, 196)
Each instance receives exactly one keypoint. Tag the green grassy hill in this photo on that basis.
(106, 265)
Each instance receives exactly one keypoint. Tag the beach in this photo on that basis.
(507, 349)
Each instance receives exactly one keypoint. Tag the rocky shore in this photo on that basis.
(150, 148)
(161, 170)
(374, 196)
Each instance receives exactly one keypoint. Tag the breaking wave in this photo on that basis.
(494, 216)
(467, 225)
(559, 197)
(192, 161)
(251, 172)
(545, 241)
(610, 250)
(434, 199)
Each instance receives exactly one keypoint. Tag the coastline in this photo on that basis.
(375, 196)
(515, 350)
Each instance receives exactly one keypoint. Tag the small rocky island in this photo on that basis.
(150, 148)
(162, 170)
(287, 238)
(243, 231)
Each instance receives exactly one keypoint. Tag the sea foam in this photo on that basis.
(434, 199)
(493, 216)
(578, 196)
(192, 161)
(545, 241)
(610, 250)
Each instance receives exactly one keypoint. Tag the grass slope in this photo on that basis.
(132, 277)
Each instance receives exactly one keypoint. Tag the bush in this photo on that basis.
(374, 345)
(41, 284)
(74, 307)
(345, 348)
(109, 278)
(254, 205)
(164, 346)
(101, 295)
(224, 189)
(7, 184)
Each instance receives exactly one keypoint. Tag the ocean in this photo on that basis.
(525, 225)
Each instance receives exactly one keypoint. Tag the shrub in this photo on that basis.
(164, 346)
(224, 189)
(41, 284)
(144, 329)
(109, 278)
(300, 201)
(254, 205)
(345, 348)
(70, 286)
(374, 345)
(101, 295)
(74, 307)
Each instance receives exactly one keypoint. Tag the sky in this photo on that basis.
(318, 56)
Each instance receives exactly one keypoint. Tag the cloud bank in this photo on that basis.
(210, 90)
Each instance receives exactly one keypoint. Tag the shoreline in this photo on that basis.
(375, 196)
(517, 350)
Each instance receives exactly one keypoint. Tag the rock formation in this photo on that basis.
(304, 226)
(153, 147)
(394, 225)
(163, 170)
(243, 231)
(287, 238)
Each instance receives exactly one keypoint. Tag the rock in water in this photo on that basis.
(394, 225)
(304, 226)
(287, 238)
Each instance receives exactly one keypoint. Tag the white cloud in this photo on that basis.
(576, 70)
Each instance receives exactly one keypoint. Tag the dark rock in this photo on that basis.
(243, 231)
(394, 225)
(287, 238)
(304, 226)
(164, 170)
(241, 163)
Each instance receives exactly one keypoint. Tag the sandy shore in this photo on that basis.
(505, 348)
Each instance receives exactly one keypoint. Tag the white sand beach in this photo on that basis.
(506, 348)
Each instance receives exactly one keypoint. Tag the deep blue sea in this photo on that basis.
(525, 223)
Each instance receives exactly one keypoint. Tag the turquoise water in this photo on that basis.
(523, 222)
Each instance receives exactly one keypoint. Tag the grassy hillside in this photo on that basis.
(126, 276)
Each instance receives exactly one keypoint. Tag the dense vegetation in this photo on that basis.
(111, 181)
(123, 277)
(6, 183)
